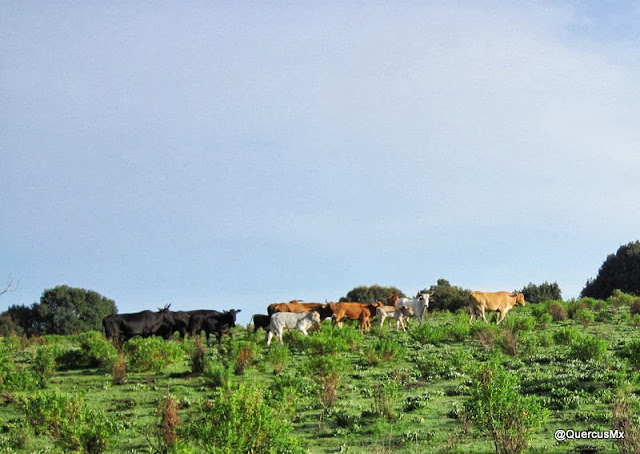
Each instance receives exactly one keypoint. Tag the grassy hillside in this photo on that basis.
(333, 391)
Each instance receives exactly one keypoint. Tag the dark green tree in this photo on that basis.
(619, 271)
(544, 292)
(445, 296)
(69, 310)
(371, 294)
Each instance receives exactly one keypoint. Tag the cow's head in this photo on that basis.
(520, 299)
(167, 315)
(315, 317)
(232, 316)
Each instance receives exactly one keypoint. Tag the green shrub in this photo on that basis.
(588, 347)
(217, 375)
(67, 419)
(520, 323)
(239, 420)
(631, 351)
(384, 396)
(566, 336)
(152, 353)
(92, 350)
(545, 320)
(384, 349)
(243, 354)
(624, 420)
(15, 377)
(497, 408)
(44, 365)
(459, 329)
(584, 317)
(426, 333)
(332, 339)
(279, 356)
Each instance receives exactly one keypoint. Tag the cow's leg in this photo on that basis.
(484, 316)
(269, 337)
(280, 336)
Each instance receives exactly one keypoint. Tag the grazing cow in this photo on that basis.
(419, 305)
(282, 307)
(500, 302)
(181, 324)
(121, 327)
(290, 320)
(297, 306)
(212, 321)
(260, 321)
(398, 313)
(355, 311)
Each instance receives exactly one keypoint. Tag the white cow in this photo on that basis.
(419, 305)
(290, 320)
(398, 313)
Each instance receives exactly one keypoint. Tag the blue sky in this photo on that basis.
(234, 154)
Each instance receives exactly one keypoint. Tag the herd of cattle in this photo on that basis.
(293, 315)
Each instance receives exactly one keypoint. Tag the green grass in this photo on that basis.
(411, 402)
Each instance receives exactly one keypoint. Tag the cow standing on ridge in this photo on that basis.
(501, 302)
(119, 328)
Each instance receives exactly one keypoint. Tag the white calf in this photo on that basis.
(290, 320)
(419, 305)
(398, 313)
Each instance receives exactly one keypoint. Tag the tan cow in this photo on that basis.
(500, 302)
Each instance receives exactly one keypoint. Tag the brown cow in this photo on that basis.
(500, 302)
(281, 307)
(355, 311)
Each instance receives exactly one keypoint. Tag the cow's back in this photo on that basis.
(491, 301)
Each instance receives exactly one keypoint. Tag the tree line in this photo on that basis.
(68, 310)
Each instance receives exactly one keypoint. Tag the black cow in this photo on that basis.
(122, 327)
(181, 324)
(212, 321)
(260, 321)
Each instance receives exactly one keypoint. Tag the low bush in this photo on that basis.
(44, 365)
(497, 408)
(198, 358)
(624, 419)
(15, 377)
(244, 354)
(66, 418)
(459, 329)
(427, 333)
(631, 351)
(384, 349)
(217, 375)
(239, 420)
(152, 353)
(89, 350)
(584, 317)
(279, 356)
(588, 347)
(557, 311)
(566, 336)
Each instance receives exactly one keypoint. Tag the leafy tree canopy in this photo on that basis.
(61, 310)
(371, 294)
(445, 296)
(619, 271)
(543, 292)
